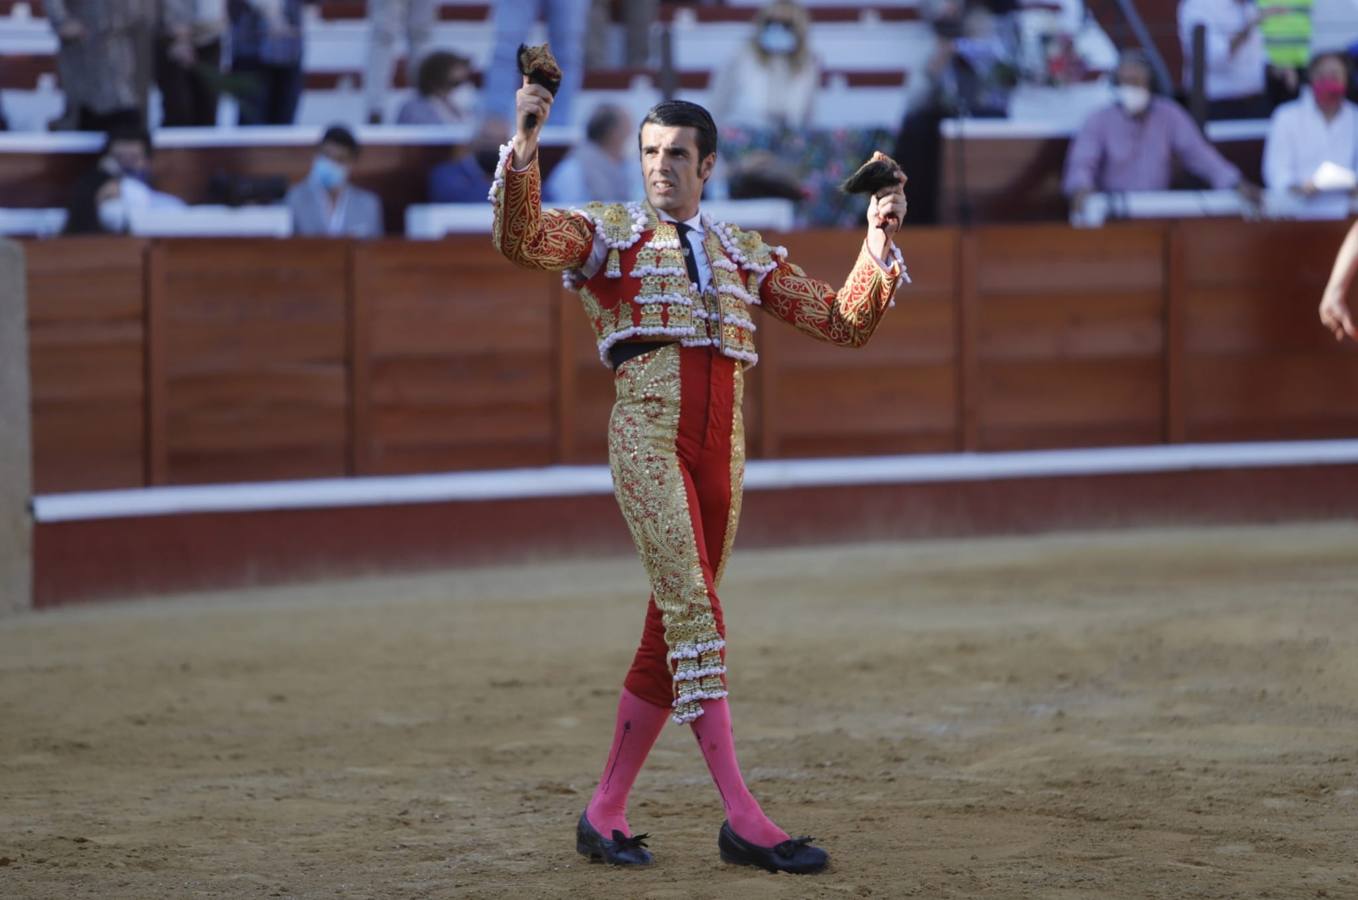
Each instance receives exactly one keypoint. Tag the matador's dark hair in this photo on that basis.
(676, 113)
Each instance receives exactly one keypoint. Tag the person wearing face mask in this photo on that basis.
(772, 82)
(106, 198)
(1133, 144)
(446, 95)
(325, 204)
(1319, 127)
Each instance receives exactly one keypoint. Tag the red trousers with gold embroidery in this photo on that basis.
(677, 451)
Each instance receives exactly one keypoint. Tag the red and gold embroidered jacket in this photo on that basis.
(643, 291)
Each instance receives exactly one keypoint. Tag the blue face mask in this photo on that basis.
(328, 174)
(777, 38)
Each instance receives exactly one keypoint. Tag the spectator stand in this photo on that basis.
(37, 170)
(1009, 170)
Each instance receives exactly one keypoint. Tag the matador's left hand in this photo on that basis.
(886, 211)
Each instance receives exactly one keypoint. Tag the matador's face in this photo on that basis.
(674, 174)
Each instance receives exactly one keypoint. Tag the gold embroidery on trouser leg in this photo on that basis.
(650, 489)
(737, 472)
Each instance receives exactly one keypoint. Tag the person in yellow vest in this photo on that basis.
(1287, 46)
(672, 296)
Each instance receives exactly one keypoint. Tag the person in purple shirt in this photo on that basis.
(1133, 144)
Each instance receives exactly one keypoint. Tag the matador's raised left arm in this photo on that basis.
(847, 316)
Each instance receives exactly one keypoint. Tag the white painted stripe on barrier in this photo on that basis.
(571, 481)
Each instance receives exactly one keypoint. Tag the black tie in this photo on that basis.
(690, 258)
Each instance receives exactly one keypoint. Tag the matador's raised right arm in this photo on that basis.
(523, 232)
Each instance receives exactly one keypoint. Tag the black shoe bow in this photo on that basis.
(620, 851)
(794, 855)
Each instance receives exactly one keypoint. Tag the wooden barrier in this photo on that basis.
(87, 360)
(285, 359)
(1065, 330)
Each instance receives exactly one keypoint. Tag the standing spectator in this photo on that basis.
(1234, 64)
(638, 17)
(971, 73)
(189, 61)
(388, 21)
(601, 167)
(772, 82)
(1319, 127)
(1133, 144)
(326, 204)
(266, 46)
(566, 20)
(104, 57)
(1287, 44)
(446, 95)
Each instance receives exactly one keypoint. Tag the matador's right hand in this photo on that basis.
(533, 101)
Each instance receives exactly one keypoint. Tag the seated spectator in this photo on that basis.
(104, 57)
(601, 167)
(1235, 61)
(1317, 128)
(266, 47)
(773, 80)
(971, 72)
(446, 95)
(465, 178)
(326, 204)
(189, 61)
(1134, 144)
(104, 199)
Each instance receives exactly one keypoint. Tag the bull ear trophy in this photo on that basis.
(878, 174)
(539, 66)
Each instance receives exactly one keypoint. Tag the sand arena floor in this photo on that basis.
(1169, 714)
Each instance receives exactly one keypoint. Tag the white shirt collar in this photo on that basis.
(696, 223)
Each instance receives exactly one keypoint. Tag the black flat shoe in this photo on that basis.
(795, 855)
(621, 851)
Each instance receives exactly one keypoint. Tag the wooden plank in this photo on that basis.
(896, 394)
(87, 351)
(1175, 312)
(1069, 336)
(1257, 364)
(255, 362)
(462, 357)
(968, 353)
(1071, 325)
(360, 362)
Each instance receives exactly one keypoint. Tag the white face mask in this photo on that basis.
(113, 215)
(462, 99)
(1133, 99)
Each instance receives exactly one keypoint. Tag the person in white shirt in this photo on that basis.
(1235, 63)
(1318, 127)
(773, 81)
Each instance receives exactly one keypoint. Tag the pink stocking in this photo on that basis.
(639, 724)
(717, 742)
